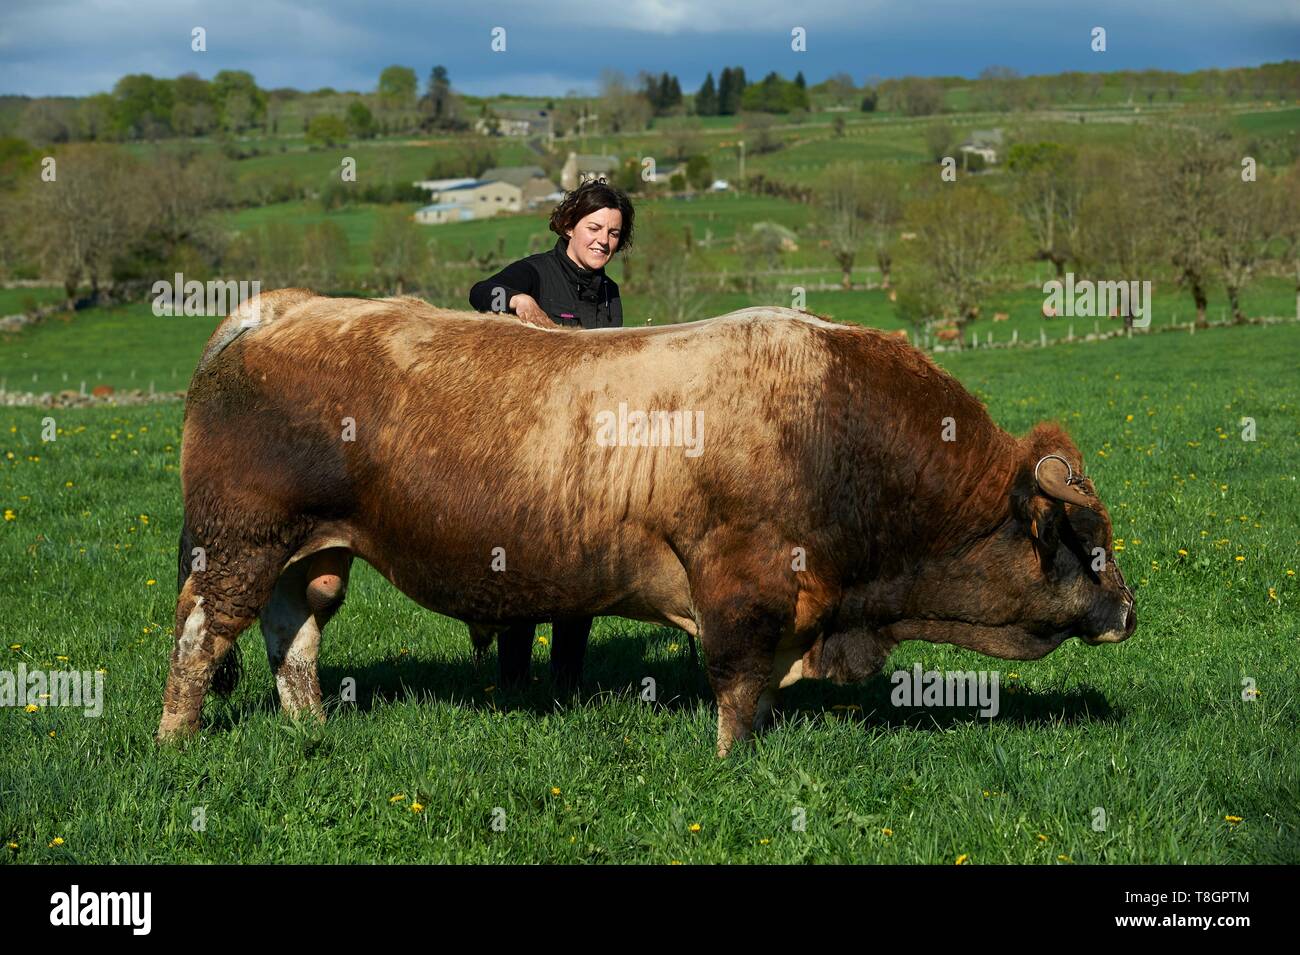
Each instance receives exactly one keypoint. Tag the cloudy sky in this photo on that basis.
(75, 47)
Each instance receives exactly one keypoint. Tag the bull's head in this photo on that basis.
(1042, 572)
(1070, 534)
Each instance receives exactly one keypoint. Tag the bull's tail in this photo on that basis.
(231, 668)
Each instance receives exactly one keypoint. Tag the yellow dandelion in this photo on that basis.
(56, 841)
(542, 641)
(10, 515)
(30, 708)
(676, 862)
(1042, 838)
(67, 484)
(1063, 858)
(1232, 820)
(15, 646)
(150, 582)
(1181, 552)
(417, 807)
(672, 648)
(695, 827)
(961, 859)
(887, 831)
(1239, 559)
(398, 798)
(555, 790)
(13, 845)
(1290, 573)
(51, 734)
(61, 659)
(1272, 594)
(764, 842)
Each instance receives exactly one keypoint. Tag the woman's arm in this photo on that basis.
(517, 278)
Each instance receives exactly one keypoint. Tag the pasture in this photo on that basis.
(1155, 733)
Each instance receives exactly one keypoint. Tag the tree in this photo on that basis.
(761, 137)
(774, 95)
(622, 109)
(1288, 213)
(325, 255)
(360, 121)
(764, 242)
(840, 195)
(706, 100)
(1119, 233)
(882, 204)
(661, 274)
(963, 232)
(939, 140)
(142, 106)
(81, 223)
(399, 251)
(1244, 224)
(1185, 174)
(239, 102)
(1048, 192)
(327, 131)
(915, 96)
(682, 136)
(699, 173)
(440, 107)
(731, 87)
(397, 87)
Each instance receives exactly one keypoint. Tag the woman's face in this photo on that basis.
(595, 238)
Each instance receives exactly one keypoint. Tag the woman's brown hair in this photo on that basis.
(592, 195)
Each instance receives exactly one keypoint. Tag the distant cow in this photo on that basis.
(801, 514)
(1000, 316)
(947, 334)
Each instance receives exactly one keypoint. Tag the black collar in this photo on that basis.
(585, 278)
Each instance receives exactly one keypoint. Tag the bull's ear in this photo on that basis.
(1042, 517)
(1056, 479)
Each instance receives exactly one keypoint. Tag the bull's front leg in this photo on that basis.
(740, 636)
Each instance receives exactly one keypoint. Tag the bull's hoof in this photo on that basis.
(174, 729)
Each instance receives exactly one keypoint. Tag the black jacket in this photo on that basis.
(568, 293)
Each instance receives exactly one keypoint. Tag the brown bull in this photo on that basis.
(824, 492)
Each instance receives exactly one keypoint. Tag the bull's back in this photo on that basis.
(450, 435)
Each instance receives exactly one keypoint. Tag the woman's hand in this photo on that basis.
(529, 312)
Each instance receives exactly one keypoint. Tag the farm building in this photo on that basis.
(532, 181)
(469, 199)
(985, 143)
(578, 168)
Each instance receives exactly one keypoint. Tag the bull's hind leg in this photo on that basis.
(306, 596)
(216, 604)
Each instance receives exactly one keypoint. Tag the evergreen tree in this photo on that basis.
(706, 100)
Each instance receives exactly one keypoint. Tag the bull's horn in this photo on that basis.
(1056, 477)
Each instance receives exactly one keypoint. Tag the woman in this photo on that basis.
(566, 287)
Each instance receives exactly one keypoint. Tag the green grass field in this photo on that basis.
(1154, 732)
